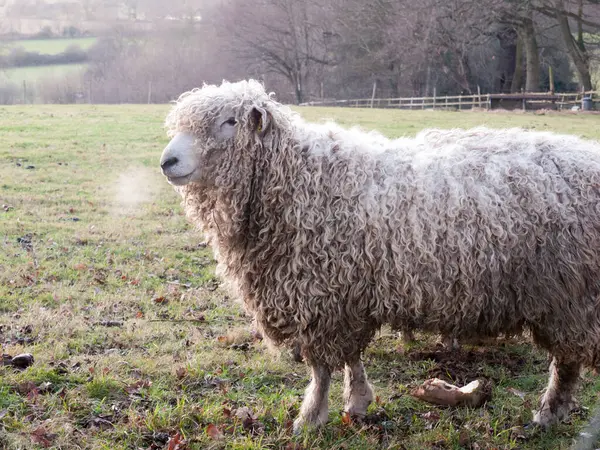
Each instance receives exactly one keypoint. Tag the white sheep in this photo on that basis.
(328, 233)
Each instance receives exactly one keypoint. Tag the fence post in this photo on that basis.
(374, 91)
(460, 102)
(24, 92)
(446, 102)
(479, 95)
(434, 95)
(149, 91)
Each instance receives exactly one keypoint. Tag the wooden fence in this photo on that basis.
(525, 101)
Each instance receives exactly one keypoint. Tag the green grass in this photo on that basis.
(47, 46)
(92, 233)
(37, 73)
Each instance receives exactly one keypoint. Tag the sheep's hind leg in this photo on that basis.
(315, 409)
(358, 393)
(558, 401)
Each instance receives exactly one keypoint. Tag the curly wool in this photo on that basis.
(327, 233)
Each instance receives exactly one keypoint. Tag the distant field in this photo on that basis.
(395, 123)
(36, 73)
(47, 46)
(135, 343)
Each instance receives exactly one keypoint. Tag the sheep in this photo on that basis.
(328, 233)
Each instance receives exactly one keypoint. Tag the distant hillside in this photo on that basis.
(31, 17)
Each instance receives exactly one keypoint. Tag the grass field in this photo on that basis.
(136, 344)
(36, 73)
(47, 46)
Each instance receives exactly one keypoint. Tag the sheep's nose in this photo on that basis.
(169, 163)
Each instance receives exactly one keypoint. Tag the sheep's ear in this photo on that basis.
(261, 120)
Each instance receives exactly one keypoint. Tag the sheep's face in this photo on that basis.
(205, 133)
(195, 151)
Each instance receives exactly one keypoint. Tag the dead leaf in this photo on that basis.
(29, 389)
(160, 300)
(213, 432)
(137, 386)
(176, 442)
(346, 419)
(464, 438)
(42, 437)
(293, 446)
(80, 267)
(244, 413)
(227, 413)
(139, 315)
(181, 373)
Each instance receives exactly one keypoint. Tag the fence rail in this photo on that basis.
(525, 101)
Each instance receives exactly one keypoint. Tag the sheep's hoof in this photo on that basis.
(550, 414)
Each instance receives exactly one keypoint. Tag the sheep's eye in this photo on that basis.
(231, 121)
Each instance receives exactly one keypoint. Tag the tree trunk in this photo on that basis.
(517, 81)
(507, 63)
(532, 81)
(576, 50)
(298, 91)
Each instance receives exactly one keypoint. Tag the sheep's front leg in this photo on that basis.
(358, 393)
(315, 409)
(558, 400)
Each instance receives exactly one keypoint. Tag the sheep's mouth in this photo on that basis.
(180, 181)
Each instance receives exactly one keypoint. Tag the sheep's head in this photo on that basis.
(209, 125)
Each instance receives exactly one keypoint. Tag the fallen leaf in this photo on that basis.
(181, 373)
(29, 389)
(293, 446)
(137, 386)
(346, 419)
(160, 300)
(213, 432)
(175, 442)
(227, 413)
(139, 315)
(80, 267)
(42, 437)
(463, 438)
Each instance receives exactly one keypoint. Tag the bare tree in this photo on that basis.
(285, 37)
(566, 12)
